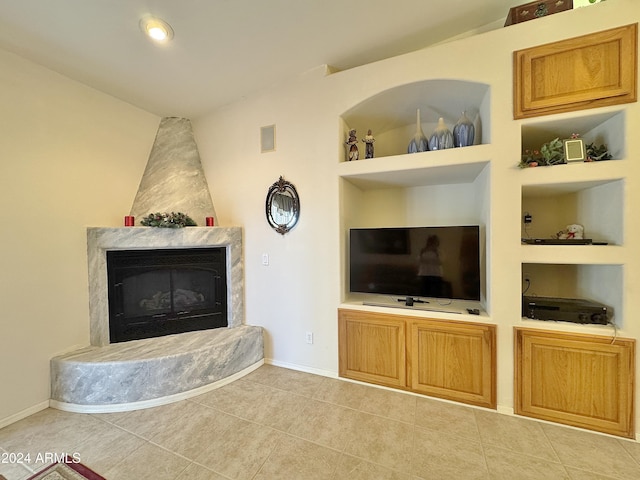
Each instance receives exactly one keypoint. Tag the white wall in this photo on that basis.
(300, 291)
(70, 157)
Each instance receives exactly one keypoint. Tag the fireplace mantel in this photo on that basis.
(100, 240)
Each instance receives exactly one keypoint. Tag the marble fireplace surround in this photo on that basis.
(99, 240)
(125, 376)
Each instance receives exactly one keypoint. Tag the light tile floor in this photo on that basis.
(282, 424)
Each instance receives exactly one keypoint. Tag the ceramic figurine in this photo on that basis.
(352, 142)
(441, 138)
(419, 143)
(368, 144)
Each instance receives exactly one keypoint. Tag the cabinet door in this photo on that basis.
(580, 380)
(584, 72)
(372, 348)
(453, 360)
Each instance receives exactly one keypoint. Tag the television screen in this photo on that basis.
(438, 262)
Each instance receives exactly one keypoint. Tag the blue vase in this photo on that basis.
(463, 132)
(441, 138)
(419, 142)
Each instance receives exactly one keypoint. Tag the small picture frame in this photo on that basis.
(574, 150)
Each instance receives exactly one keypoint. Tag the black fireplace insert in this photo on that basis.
(160, 292)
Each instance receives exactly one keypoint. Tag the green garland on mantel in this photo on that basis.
(168, 220)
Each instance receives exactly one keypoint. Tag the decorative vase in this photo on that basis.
(463, 132)
(419, 143)
(441, 137)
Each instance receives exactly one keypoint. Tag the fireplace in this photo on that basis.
(113, 377)
(101, 241)
(159, 292)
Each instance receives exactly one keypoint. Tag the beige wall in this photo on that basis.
(70, 157)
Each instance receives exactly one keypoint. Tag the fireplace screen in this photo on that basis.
(161, 292)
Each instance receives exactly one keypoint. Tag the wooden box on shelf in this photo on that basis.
(538, 9)
(581, 380)
(590, 71)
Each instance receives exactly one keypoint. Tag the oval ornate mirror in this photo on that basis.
(283, 206)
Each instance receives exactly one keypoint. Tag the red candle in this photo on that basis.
(129, 221)
(210, 222)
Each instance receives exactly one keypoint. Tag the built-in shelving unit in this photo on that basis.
(397, 189)
(482, 184)
(591, 194)
(578, 374)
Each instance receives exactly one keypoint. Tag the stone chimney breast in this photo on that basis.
(173, 180)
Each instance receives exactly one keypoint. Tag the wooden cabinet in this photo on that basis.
(441, 358)
(372, 348)
(453, 360)
(581, 380)
(583, 72)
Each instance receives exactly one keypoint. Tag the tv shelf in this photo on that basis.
(427, 307)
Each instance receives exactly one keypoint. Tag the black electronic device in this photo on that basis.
(409, 301)
(575, 310)
(558, 241)
(410, 262)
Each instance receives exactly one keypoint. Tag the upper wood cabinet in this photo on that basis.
(594, 70)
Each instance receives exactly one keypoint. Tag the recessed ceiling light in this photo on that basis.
(156, 29)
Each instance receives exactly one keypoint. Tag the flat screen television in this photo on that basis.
(435, 262)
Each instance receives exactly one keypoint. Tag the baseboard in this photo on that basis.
(24, 414)
(505, 410)
(301, 368)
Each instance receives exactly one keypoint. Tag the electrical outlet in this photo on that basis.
(526, 278)
(527, 218)
(265, 259)
(309, 337)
